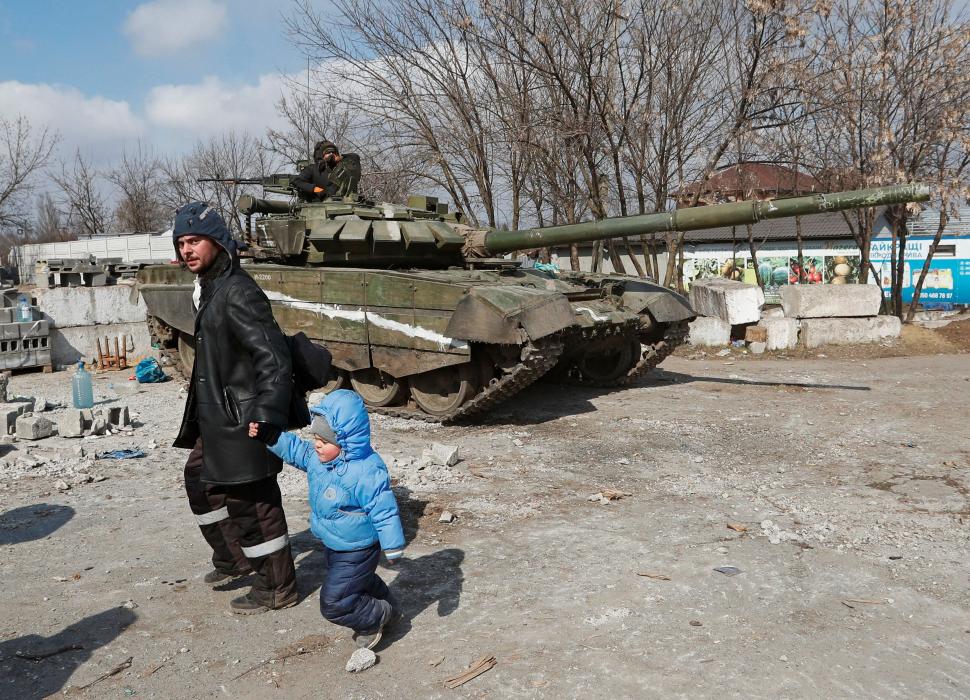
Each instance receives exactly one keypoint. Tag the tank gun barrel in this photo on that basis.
(697, 218)
(248, 204)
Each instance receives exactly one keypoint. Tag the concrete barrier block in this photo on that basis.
(733, 302)
(10, 331)
(816, 332)
(67, 307)
(782, 333)
(68, 345)
(6, 315)
(709, 332)
(830, 300)
(34, 427)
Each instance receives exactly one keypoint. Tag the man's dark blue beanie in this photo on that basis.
(200, 219)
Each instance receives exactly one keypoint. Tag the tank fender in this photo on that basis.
(664, 305)
(499, 314)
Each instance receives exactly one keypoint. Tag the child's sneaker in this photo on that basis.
(369, 640)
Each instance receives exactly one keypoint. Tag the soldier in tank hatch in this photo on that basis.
(329, 175)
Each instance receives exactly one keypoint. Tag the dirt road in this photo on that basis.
(845, 480)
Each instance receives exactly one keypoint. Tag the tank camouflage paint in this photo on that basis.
(425, 319)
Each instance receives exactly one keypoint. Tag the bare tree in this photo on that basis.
(50, 223)
(23, 154)
(79, 187)
(892, 91)
(139, 181)
(212, 173)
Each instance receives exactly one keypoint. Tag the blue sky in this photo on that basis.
(105, 73)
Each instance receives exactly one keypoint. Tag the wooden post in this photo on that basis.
(100, 354)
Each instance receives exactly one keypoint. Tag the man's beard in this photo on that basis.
(218, 266)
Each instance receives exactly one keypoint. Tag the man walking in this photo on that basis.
(242, 374)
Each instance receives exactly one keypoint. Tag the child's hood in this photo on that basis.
(347, 415)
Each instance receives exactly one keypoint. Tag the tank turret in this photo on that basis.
(425, 234)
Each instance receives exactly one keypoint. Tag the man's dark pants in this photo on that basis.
(240, 522)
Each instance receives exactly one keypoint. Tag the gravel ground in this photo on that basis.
(837, 486)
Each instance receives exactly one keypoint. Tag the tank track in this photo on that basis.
(652, 355)
(541, 356)
(166, 339)
(655, 353)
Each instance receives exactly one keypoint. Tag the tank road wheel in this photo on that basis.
(605, 364)
(442, 391)
(340, 380)
(378, 388)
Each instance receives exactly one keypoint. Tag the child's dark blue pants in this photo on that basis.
(349, 595)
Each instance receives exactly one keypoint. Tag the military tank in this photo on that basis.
(426, 319)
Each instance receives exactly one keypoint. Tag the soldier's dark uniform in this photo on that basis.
(338, 180)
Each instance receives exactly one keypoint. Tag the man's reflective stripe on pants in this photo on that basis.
(266, 548)
(212, 517)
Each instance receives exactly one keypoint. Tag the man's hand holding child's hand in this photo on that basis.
(253, 429)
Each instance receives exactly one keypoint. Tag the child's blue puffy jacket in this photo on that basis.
(352, 505)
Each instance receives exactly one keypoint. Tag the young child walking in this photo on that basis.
(353, 511)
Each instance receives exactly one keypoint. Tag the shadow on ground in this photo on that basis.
(434, 579)
(33, 666)
(34, 522)
(664, 377)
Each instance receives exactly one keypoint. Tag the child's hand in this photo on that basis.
(253, 429)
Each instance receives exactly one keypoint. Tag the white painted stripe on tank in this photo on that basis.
(595, 316)
(361, 316)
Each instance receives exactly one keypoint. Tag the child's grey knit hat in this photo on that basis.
(321, 428)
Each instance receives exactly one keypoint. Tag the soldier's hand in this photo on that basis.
(317, 190)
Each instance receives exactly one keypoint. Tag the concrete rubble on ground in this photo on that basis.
(361, 660)
(31, 427)
(79, 422)
(10, 411)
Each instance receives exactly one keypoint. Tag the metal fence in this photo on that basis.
(131, 248)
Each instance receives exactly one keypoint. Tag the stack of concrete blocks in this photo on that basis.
(838, 314)
(23, 343)
(720, 304)
(70, 272)
(78, 316)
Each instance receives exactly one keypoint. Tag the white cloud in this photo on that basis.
(89, 123)
(213, 106)
(160, 27)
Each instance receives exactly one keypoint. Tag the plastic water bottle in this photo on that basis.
(81, 388)
(24, 313)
